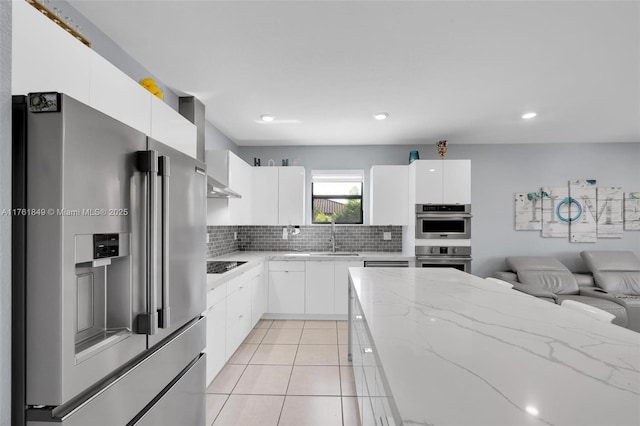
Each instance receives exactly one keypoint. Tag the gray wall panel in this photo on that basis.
(497, 172)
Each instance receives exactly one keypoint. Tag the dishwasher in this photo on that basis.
(386, 263)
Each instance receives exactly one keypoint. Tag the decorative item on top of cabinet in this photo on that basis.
(150, 84)
(56, 16)
(442, 149)
(413, 156)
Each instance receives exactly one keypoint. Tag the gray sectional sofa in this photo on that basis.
(545, 277)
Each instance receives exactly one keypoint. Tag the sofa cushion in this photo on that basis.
(534, 263)
(614, 271)
(610, 261)
(614, 308)
(557, 282)
(619, 282)
(544, 271)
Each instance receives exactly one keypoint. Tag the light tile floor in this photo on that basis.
(287, 373)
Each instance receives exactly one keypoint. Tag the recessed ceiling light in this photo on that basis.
(532, 410)
(267, 117)
(529, 115)
(381, 115)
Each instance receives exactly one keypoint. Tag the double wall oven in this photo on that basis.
(443, 236)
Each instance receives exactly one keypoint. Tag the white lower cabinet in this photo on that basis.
(341, 284)
(258, 296)
(319, 287)
(312, 287)
(233, 308)
(216, 336)
(238, 314)
(286, 287)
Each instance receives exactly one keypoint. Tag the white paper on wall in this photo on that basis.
(579, 210)
(632, 211)
(552, 226)
(610, 212)
(528, 211)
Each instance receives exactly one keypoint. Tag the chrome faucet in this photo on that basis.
(333, 236)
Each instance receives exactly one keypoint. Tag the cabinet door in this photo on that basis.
(389, 200)
(291, 184)
(456, 181)
(286, 292)
(216, 339)
(319, 287)
(240, 181)
(258, 298)
(341, 298)
(428, 181)
(238, 316)
(45, 57)
(265, 195)
(170, 128)
(117, 95)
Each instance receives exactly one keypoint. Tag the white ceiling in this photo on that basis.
(464, 71)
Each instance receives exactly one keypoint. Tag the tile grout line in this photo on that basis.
(286, 391)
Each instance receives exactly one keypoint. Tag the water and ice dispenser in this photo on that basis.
(103, 292)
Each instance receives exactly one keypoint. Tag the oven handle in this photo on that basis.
(443, 216)
(431, 258)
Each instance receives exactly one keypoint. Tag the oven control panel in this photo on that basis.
(443, 251)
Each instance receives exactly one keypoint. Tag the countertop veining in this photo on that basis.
(457, 350)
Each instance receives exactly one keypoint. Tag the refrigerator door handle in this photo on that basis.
(147, 323)
(164, 312)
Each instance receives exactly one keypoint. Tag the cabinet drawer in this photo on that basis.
(216, 295)
(285, 265)
(240, 283)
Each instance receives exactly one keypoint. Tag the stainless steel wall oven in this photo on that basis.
(443, 221)
(458, 257)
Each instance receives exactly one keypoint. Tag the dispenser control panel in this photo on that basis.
(106, 245)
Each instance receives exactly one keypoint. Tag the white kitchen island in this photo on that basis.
(442, 347)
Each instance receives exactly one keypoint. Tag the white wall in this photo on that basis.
(214, 139)
(5, 203)
(497, 172)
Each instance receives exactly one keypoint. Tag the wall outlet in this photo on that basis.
(235, 235)
(285, 234)
(208, 238)
(386, 236)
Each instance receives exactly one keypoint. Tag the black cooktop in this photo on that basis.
(220, 267)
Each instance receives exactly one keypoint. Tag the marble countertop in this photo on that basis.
(254, 258)
(457, 350)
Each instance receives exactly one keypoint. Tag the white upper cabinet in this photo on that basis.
(389, 195)
(45, 58)
(456, 182)
(440, 181)
(117, 95)
(265, 196)
(170, 128)
(428, 181)
(291, 201)
(278, 196)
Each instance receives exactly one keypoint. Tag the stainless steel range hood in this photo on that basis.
(216, 189)
(193, 110)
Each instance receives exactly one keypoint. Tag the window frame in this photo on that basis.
(344, 197)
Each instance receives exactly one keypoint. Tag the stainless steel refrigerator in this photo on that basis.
(108, 275)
